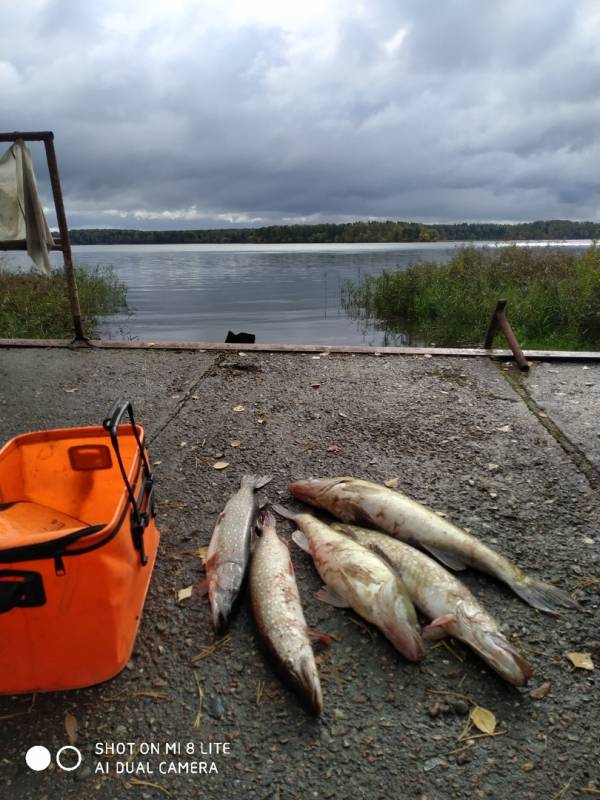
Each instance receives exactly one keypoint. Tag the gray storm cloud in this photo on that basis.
(197, 114)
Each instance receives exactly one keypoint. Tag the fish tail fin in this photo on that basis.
(256, 482)
(543, 596)
(283, 511)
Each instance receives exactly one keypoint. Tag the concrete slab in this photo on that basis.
(43, 388)
(570, 395)
(458, 438)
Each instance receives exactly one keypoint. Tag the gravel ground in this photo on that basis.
(458, 437)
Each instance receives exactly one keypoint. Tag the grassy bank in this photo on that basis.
(553, 297)
(36, 306)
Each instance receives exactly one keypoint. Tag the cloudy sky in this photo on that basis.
(208, 113)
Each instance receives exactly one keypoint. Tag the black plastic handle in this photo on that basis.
(142, 509)
(23, 589)
(116, 414)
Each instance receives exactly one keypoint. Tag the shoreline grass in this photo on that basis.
(553, 297)
(36, 306)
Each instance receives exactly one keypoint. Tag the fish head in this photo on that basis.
(339, 496)
(399, 620)
(491, 645)
(304, 676)
(223, 589)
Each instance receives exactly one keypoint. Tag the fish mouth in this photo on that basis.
(406, 640)
(305, 680)
(220, 618)
(505, 659)
(493, 647)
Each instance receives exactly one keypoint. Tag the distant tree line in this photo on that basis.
(350, 232)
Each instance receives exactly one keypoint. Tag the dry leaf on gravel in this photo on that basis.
(239, 408)
(234, 443)
(202, 552)
(392, 483)
(581, 660)
(220, 464)
(71, 727)
(483, 719)
(184, 594)
(540, 691)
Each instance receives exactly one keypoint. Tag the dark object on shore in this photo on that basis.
(240, 338)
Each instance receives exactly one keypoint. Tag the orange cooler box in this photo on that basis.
(77, 548)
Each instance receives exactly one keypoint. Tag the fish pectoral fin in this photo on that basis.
(300, 539)
(283, 511)
(325, 595)
(318, 636)
(448, 559)
(437, 628)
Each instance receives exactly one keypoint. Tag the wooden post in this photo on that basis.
(499, 320)
(65, 242)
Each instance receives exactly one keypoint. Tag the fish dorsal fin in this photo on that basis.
(448, 559)
(380, 551)
(300, 539)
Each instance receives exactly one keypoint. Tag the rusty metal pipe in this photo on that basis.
(499, 320)
(65, 242)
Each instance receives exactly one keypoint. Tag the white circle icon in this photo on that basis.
(38, 758)
(64, 749)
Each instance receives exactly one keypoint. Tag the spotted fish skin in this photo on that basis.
(374, 506)
(363, 581)
(453, 609)
(279, 617)
(229, 550)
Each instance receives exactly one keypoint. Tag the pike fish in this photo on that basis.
(372, 505)
(356, 577)
(229, 550)
(455, 611)
(278, 614)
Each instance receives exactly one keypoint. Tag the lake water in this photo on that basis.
(281, 293)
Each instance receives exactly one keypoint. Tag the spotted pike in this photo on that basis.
(372, 505)
(356, 577)
(278, 614)
(455, 611)
(229, 550)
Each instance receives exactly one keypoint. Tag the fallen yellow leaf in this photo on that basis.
(392, 483)
(483, 720)
(581, 660)
(184, 594)
(71, 727)
(202, 552)
(220, 464)
(234, 443)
